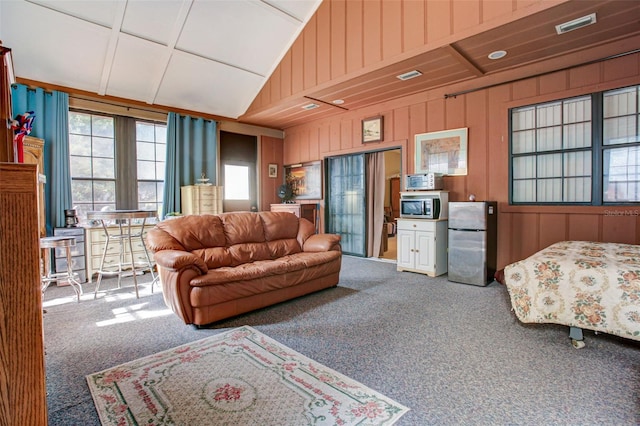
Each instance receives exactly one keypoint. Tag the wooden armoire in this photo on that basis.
(23, 398)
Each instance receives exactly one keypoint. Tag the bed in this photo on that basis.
(580, 284)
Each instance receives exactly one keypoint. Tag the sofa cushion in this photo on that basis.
(264, 268)
(279, 225)
(242, 228)
(193, 232)
(279, 248)
(214, 257)
(227, 284)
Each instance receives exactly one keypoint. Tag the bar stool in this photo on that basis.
(125, 236)
(71, 277)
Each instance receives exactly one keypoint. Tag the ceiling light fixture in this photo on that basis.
(310, 106)
(409, 75)
(498, 54)
(337, 101)
(576, 23)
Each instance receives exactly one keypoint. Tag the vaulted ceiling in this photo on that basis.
(214, 57)
(197, 55)
(532, 45)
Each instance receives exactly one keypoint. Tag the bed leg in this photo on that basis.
(577, 339)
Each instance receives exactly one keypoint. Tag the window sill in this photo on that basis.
(626, 210)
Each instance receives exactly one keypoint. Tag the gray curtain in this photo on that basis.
(126, 171)
(375, 202)
(51, 123)
(192, 150)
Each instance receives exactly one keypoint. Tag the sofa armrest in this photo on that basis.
(322, 242)
(177, 260)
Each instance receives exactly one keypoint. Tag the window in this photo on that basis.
(116, 162)
(621, 151)
(151, 143)
(583, 150)
(239, 175)
(92, 162)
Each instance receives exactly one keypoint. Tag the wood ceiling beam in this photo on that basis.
(463, 60)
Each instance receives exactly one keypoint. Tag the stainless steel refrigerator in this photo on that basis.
(472, 242)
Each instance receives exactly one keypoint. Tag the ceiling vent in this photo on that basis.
(409, 75)
(576, 23)
(310, 106)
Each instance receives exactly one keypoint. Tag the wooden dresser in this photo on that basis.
(23, 399)
(201, 199)
(95, 241)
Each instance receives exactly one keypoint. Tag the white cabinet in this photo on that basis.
(95, 241)
(422, 246)
(201, 199)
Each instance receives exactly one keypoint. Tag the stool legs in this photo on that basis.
(77, 287)
(48, 277)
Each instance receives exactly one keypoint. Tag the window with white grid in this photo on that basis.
(151, 143)
(582, 150)
(92, 161)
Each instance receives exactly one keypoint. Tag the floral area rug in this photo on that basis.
(239, 377)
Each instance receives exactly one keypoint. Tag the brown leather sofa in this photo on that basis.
(217, 266)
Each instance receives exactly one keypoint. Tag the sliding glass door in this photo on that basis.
(346, 210)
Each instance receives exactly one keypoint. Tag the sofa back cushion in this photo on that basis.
(231, 239)
(190, 233)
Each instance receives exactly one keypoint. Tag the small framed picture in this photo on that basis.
(372, 129)
(273, 170)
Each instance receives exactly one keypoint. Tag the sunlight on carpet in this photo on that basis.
(237, 377)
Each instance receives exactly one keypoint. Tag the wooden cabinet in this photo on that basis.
(201, 199)
(23, 398)
(422, 246)
(34, 154)
(95, 242)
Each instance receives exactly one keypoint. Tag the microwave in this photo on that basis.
(420, 208)
(425, 181)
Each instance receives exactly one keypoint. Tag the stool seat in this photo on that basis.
(71, 277)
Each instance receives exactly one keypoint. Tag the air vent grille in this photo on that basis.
(409, 75)
(310, 106)
(576, 23)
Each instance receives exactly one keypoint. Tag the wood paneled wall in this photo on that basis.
(270, 152)
(348, 37)
(522, 229)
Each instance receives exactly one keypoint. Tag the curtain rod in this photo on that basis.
(595, 61)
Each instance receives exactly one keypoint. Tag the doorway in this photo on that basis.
(238, 163)
(359, 202)
(393, 168)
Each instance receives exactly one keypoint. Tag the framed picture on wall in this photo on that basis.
(273, 170)
(305, 180)
(442, 152)
(372, 129)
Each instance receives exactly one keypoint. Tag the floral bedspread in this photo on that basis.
(589, 285)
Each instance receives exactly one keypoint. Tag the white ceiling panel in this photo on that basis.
(101, 12)
(135, 64)
(207, 56)
(152, 20)
(71, 57)
(210, 86)
(250, 36)
(301, 10)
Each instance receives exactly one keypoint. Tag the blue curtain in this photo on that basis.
(50, 124)
(191, 151)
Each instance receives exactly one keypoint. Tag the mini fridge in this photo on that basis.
(472, 242)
